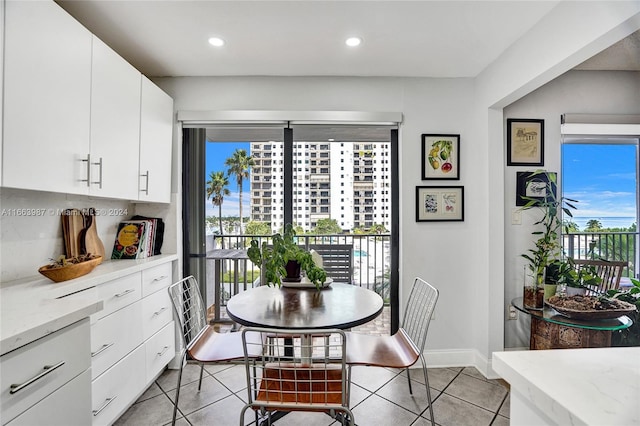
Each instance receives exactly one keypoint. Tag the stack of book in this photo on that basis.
(135, 239)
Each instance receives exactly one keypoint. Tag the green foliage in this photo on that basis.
(547, 246)
(631, 335)
(284, 248)
(327, 226)
(258, 228)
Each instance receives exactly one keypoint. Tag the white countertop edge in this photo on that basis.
(594, 386)
(32, 308)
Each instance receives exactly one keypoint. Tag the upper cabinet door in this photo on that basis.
(155, 144)
(115, 124)
(47, 83)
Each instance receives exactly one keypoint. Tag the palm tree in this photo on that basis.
(239, 164)
(593, 225)
(217, 190)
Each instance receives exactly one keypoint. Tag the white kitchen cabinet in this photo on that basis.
(47, 84)
(132, 339)
(32, 373)
(114, 391)
(61, 408)
(156, 125)
(115, 125)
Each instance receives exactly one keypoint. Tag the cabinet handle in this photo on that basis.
(105, 405)
(102, 349)
(124, 293)
(160, 278)
(146, 186)
(160, 311)
(88, 161)
(47, 369)
(165, 349)
(99, 182)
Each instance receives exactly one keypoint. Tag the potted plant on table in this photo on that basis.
(546, 254)
(284, 260)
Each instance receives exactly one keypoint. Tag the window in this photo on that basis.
(601, 174)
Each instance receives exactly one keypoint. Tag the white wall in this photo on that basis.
(584, 92)
(434, 251)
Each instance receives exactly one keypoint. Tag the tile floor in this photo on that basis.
(380, 396)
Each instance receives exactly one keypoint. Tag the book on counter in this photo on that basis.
(135, 239)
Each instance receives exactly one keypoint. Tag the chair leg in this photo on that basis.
(175, 407)
(426, 381)
(201, 371)
(409, 380)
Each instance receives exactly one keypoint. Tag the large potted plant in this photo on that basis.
(547, 251)
(284, 260)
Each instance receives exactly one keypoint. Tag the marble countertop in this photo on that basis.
(34, 307)
(598, 386)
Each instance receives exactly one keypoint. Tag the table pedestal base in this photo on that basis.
(548, 335)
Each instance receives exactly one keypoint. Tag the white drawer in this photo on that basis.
(160, 349)
(157, 278)
(68, 406)
(118, 293)
(114, 336)
(156, 313)
(116, 389)
(67, 348)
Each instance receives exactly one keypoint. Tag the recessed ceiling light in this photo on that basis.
(331, 140)
(215, 41)
(353, 41)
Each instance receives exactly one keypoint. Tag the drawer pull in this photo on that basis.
(47, 369)
(105, 405)
(155, 314)
(124, 293)
(102, 349)
(160, 278)
(165, 349)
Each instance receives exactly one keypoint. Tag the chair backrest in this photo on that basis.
(417, 314)
(189, 308)
(337, 260)
(304, 379)
(609, 271)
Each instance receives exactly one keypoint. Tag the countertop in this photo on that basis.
(34, 307)
(596, 386)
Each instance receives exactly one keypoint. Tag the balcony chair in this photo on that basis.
(609, 271)
(199, 339)
(337, 260)
(308, 381)
(406, 346)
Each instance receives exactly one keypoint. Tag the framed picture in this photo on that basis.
(439, 203)
(440, 157)
(534, 186)
(525, 142)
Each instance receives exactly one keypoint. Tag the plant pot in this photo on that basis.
(533, 292)
(293, 271)
(572, 291)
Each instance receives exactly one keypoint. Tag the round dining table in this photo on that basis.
(337, 306)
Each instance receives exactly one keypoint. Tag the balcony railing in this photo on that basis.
(371, 261)
(614, 246)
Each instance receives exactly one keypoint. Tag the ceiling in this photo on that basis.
(306, 38)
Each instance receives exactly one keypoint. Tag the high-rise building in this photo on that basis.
(348, 182)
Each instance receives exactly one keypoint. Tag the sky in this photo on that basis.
(216, 154)
(603, 179)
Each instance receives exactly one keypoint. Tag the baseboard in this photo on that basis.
(460, 358)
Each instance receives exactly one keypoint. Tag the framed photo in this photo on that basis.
(534, 186)
(439, 203)
(440, 157)
(525, 142)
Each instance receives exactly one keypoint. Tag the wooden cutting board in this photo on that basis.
(91, 242)
(72, 226)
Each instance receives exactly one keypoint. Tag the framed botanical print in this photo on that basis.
(440, 157)
(439, 203)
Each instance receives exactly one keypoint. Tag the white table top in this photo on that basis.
(34, 307)
(597, 386)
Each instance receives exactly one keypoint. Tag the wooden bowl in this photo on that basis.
(71, 270)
